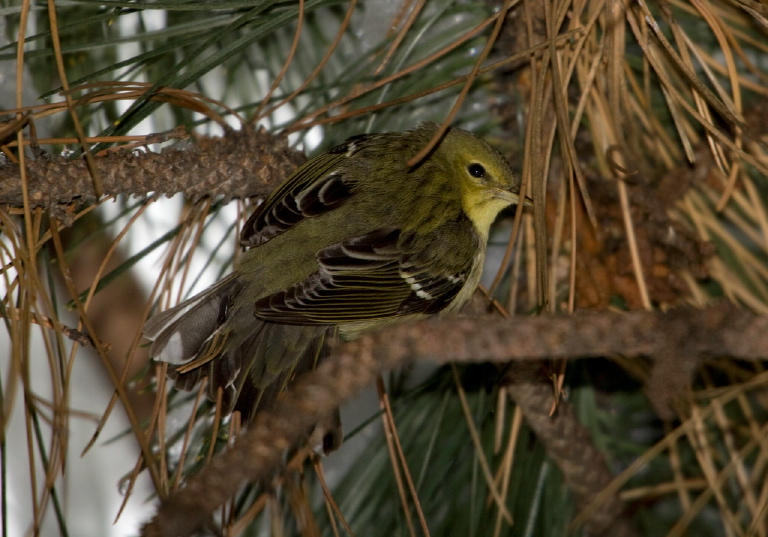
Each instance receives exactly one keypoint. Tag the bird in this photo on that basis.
(355, 239)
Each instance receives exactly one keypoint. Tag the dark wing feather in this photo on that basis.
(432, 293)
(372, 276)
(320, 185)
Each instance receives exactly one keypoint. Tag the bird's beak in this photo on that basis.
(513, 198)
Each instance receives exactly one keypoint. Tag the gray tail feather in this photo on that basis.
(180, 333)
(253, 371)
(256, 361)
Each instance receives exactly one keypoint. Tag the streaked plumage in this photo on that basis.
(352, 240)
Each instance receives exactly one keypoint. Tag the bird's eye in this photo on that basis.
(476, 170)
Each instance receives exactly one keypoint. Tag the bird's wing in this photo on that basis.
(381, 274)
(317, 187)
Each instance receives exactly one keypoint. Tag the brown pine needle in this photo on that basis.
(334, 511)
(490, 482)
(399, 467)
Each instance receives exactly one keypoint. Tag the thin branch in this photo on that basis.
(257, 454)
(720, 330)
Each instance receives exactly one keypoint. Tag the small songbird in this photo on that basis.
(353, 240)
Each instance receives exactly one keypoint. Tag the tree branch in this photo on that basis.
(256, 455)
(721, 329)
(241, 164)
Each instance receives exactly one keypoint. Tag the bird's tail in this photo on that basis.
(179, 335)
(195, 337)
(215, 335)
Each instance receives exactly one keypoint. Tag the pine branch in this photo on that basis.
(719, 330)
(569, 444)
(241, 164)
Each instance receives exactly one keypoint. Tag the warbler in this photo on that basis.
(354, 239)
